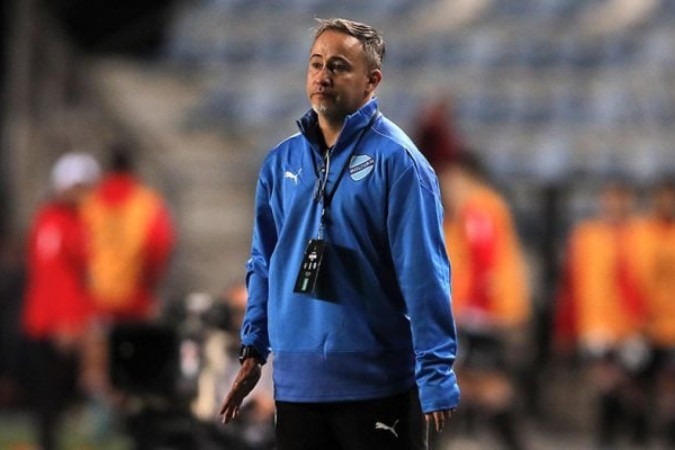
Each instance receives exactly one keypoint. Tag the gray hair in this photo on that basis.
(370, 38)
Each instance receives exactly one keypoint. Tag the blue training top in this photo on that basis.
(380, 319)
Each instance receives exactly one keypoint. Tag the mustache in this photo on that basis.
(326, 94)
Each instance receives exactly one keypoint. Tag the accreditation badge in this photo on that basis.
(308, 275)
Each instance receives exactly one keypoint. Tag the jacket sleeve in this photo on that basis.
(254, 326)
(423, 271)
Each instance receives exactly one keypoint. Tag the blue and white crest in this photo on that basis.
(360, 166)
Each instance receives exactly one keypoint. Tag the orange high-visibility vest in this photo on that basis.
(488, 266)
(601, 290)
(656, 256)
(130, 241)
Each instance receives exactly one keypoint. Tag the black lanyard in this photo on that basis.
(321, 193)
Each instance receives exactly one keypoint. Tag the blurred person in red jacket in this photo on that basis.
(57, 307)
(490, 292)
(601, 311)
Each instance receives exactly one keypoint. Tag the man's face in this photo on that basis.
(339, 81)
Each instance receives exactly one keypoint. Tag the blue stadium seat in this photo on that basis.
(577, 82)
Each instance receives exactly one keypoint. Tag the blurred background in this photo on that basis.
(556, 96)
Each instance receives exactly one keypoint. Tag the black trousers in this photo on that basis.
(391, 423)
(51, 383)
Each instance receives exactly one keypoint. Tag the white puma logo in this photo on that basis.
(383, 426)
(293, 176)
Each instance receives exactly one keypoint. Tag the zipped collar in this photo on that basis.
(308, 125)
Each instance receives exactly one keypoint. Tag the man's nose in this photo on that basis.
(323, 76)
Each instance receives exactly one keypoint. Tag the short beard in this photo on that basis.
(320, 109)
(328, 111)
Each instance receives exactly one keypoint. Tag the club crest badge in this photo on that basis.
(360, 166)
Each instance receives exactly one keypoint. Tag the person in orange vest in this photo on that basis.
(131, 238)
(436, 134)
(601, 311)
(658, 256)
(490, 291)
(57, 306)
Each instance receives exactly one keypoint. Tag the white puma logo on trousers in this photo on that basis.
(383, 426)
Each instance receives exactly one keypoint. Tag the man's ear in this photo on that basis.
(374, 78)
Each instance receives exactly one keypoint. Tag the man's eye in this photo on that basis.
(337, 67)
(315, 65)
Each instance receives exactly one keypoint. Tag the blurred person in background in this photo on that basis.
(57, 305)
(254, 430)
(131, 237)
(657, 247)
(257, 416)
(348, 280)
(601, 312)
(490, 292)
(435, 133)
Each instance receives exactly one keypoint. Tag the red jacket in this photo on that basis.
(56, 300)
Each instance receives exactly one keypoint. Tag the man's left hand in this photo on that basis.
(246, 379)
(438, 418)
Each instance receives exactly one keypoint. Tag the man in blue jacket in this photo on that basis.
(348, 280)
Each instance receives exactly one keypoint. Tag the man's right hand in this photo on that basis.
(246, 379)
